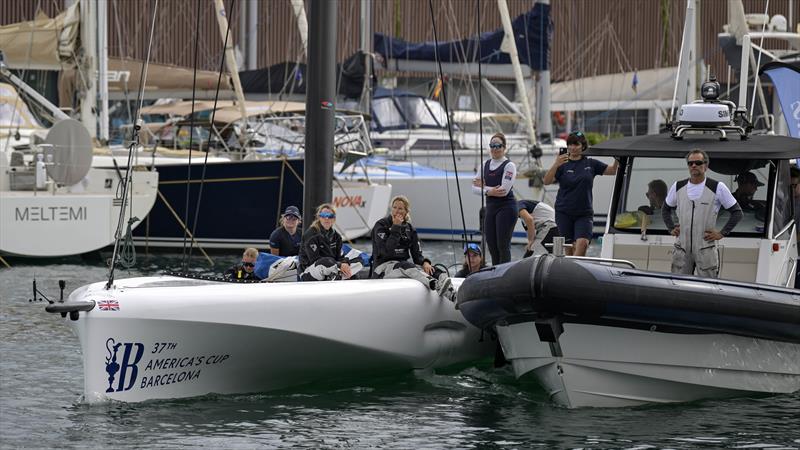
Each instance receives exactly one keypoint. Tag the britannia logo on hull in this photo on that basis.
(128, 369)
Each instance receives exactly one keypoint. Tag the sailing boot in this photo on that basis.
(444, 286)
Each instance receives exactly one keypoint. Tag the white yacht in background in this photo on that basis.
(52, 203)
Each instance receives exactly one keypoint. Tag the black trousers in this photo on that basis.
(498, 227)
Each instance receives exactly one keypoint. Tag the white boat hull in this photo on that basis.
(171, 337)
(604, 366)
(71, 220)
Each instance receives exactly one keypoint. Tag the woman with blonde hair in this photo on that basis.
(397, 253)
(321, 255)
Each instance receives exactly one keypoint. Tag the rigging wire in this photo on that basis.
(480, 120)
(449, 122)
(134, 144)
(184, 253)
(211, 125)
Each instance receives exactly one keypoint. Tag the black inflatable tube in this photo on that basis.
(583, 291)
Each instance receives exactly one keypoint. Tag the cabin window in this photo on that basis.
(418, 112)
(784, 212)
(644, 191)
(386, 114)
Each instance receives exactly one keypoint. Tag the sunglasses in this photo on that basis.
(291, 217)
(695, 163)
(472, 247)
(577, 133)
(327, 215)
(496, 145)
(248, 264)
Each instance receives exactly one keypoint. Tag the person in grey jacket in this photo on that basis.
(697, 201)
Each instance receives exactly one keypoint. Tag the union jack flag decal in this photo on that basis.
(108, 305)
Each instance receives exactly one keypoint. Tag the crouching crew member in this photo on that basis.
(244, 270)
(397, 252)
(539, 221)
(321, 255)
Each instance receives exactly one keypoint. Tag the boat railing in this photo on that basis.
(607, 261)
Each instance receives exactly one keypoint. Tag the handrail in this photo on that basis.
(605, 260)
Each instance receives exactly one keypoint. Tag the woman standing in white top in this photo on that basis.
(498, 175)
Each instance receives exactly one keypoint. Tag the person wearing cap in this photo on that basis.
(746, 186)
(285, 240)
(473, 260)
(245, 269)
(696, 201)
(398, 254)
(575, 174)
(539, 221)
(321, 256)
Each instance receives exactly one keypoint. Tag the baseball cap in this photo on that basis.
(472, 247)
(292, 211)
(748, 177)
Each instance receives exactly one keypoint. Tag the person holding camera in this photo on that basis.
(496, 182)
(246, 269)
(575, 174)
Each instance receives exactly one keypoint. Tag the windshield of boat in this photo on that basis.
(408, 112)
(649, 179)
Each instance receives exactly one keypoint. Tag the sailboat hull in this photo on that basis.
(166, 337)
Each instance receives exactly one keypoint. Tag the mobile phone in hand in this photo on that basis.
(562, 151)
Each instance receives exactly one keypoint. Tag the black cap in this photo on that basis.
(748, 177)
(292, 211)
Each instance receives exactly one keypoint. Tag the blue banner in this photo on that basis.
(786, 79)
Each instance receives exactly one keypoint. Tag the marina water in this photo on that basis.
(41, 383)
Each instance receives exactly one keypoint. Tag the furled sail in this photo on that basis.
(531, 32)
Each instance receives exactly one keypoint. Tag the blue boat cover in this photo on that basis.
(532, 32)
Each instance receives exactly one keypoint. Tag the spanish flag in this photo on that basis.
(437, 89)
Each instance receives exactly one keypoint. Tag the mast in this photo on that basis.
(510, 45)
(252, 33)
(320, 97)
(87, 65)
(102, 58)
(230, 59)
(298, 7)
(544, 121)
(366, 48)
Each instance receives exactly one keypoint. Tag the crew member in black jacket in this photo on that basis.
(397, 254)
(321, 255)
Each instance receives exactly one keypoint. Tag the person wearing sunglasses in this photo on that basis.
(321, 256)
(285, 240)
(473, 260)
(575, 174)
(696, 201)
(397, 252)
(496, 182)
(245, 269)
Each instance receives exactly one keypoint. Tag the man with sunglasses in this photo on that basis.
(245, 269)
(697, 201)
